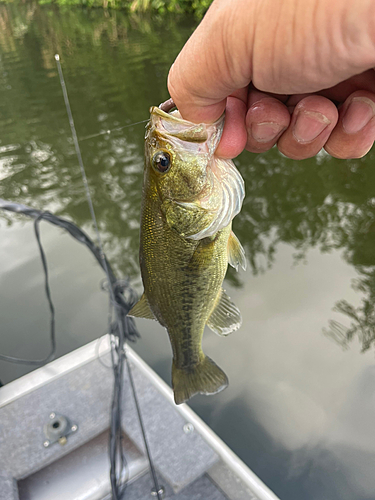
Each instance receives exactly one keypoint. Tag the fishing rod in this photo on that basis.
(122, 298)
(115, 444)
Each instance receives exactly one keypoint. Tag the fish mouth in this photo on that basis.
(196, 137)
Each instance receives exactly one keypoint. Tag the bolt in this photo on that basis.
(46, 444)
(188, 428)
(63, 440)
(52, 415)
(74, 428)
(160, 491)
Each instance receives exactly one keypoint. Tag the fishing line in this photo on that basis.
(107, 132)
(123, 323)
(98, 134)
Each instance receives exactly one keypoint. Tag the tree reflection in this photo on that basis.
(115, 67)
(323, 203)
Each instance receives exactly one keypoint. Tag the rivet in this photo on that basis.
(188, 428)
(52, 415)
(46, 444)
(74, 428)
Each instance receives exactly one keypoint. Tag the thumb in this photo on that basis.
(214, 62)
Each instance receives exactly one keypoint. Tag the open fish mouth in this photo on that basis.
(197, 138)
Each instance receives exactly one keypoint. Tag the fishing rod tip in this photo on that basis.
(57, 57)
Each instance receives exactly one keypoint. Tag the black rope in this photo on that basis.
(158, 489)
(120, 286)
(124, 299)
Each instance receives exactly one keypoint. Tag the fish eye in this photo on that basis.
(162, 161)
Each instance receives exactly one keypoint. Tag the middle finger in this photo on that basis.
(313, 119)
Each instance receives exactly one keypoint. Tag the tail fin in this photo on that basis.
(205, 378)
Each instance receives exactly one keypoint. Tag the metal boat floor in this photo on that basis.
(191, 461)
(201, 489)
(85, 470)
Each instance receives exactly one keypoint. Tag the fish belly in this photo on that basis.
(182, 279)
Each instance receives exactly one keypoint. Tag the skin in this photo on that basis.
(296, 74)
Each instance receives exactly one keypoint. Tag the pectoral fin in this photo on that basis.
(141, 309)
(236, 253)
(225, 317)
(187, 219)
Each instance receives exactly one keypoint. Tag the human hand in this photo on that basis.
(294, 73)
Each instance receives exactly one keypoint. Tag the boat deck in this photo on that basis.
(191, 461)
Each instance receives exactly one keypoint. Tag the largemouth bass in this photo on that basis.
(189, 200)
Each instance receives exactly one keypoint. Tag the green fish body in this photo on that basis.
(189, 200)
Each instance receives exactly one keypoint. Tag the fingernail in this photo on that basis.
(308, 125)
(265, 131)
(358, 114)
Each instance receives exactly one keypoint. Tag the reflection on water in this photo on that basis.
(299, 409)
(323, 203)
(115, 70)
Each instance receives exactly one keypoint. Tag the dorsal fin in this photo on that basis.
(141, 309)
(225, 317)
(236, 253)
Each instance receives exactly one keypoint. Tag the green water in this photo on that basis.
(300, 408)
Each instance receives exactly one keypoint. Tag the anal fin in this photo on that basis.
(141, 309)
(236, 253)
(225, 317)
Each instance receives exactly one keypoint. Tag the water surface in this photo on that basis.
(300, 408)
